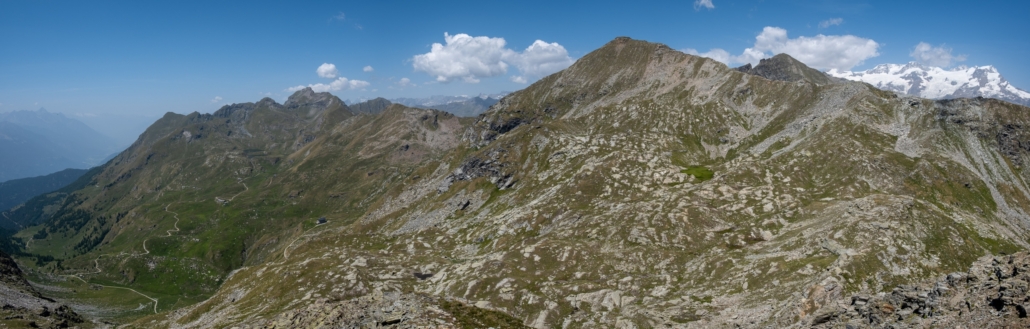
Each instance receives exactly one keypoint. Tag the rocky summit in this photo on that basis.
(641, 187)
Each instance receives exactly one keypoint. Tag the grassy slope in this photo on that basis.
(807, 185)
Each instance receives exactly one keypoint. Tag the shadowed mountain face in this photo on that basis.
(34, 143)
(782, 67)
(16, 191)
(641, 186)
(373, 106)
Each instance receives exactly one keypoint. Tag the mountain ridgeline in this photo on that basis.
(16, 191)
(640, 187)
(939, 83)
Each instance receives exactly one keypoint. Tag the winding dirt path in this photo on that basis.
(96, 264)
(123, 288)
(245, 189)
(168, 232)
(12, 221)
(286, 250)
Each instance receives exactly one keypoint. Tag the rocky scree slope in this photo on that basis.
(644, 187)
(21, 306)
(993, 293)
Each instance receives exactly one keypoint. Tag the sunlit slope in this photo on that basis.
(643, 185)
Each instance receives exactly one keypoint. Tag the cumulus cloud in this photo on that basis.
(368, 68)
(841, 52)
(471, 58)
(216, 99)
(935, 56)
(716, 54)
(337, 85)
(464, 57)
(404, 82)
(541, 58)
(831, 22)
(327, 71)
(698, 4)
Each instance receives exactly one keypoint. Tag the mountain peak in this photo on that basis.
(783, 67)
(309, 96)
(926, 81)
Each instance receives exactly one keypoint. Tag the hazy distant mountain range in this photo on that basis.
(939, 83)
(34, 143)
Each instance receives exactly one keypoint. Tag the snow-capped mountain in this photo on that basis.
(938, 83)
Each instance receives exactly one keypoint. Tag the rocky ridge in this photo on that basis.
(603, 218)
(782, 67)
(640, 187)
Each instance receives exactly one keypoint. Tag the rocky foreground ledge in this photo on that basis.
(994, 293)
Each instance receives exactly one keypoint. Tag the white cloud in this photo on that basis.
(716, 54)
(698, 4)
(540, 59)
(337, 85)
(464, 57)
(831, 22)
(471, 58)
(216, 99)
(518, 79)
(327, 71)
(404, 82)
(367, 68)
(341, 16)
(935, 56)
(841, 52)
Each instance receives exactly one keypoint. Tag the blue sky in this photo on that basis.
(110, 61)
